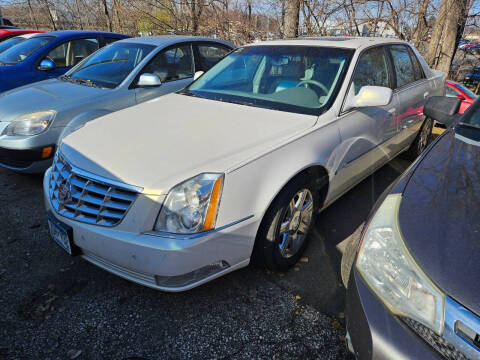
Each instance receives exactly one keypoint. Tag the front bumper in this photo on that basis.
(27, 160)
(169, 263)
(375, 333)
(24, 153)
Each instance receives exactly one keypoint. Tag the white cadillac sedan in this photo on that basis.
(182, 189)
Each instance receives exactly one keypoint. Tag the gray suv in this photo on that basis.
(34, 118)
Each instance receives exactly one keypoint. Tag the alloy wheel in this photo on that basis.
(296, 223)
(425, 135)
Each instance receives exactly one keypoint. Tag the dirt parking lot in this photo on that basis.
(57, 307)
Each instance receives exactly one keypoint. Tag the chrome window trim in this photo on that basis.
(173, 236)
(454, 312)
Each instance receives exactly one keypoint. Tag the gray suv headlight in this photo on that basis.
(391, 272)
(192, 206)
(30, 124)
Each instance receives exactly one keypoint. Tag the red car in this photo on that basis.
(8, 33)
(454, 89)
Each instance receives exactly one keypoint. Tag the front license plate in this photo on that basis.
(60, 235)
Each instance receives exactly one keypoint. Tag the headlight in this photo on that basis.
(191, 207)
(30, 124)
(391, 272)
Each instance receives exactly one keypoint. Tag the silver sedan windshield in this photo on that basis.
(291, 78)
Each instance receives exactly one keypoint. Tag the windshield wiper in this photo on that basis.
(80, 81)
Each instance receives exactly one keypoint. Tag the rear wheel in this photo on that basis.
(285, 229)
(422, 140)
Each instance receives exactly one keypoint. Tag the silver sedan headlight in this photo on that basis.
(192, 206)
(389, 269)
(30, 124)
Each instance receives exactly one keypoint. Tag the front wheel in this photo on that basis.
(422, 140)
(285, 229)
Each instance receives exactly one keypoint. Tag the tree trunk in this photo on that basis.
(282, 25)
(456, 11)
(292, 15)
(421, 23)
(32, 14)
(451, 18)
(50, 16)
(107, 15)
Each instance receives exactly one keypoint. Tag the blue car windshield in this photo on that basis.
(109, 66)
(20, 52)
(301, 79)
(7, 44)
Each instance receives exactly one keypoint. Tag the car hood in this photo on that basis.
(440, 218)
(50, 94)
(158, 144)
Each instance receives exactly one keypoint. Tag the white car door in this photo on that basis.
(366, 133)
(412, 90)
(175, 68)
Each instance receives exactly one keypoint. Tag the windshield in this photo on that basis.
(109, 66)
(7, 44)
(22, 51)
(301, 79)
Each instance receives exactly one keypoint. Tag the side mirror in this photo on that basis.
(149, 80)
(442, 109)
(368, 96)
(198, 74)
(461, 97)
(46, 65)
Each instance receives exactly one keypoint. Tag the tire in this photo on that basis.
(284, 232)
(421, 141)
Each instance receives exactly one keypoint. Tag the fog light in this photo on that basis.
(191, 277)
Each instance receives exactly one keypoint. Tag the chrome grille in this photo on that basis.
(85, 199)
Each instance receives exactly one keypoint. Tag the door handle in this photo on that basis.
(407, 123)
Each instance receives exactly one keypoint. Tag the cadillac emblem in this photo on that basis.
(65, 191)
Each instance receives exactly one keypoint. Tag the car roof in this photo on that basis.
(164, 40)
(349, 42)
(80, 33)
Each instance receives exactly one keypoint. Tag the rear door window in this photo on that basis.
(402, 62)
(70, 53)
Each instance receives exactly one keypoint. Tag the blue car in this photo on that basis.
(472, 77)
(49, 55)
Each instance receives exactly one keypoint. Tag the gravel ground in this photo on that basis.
(57, 307)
